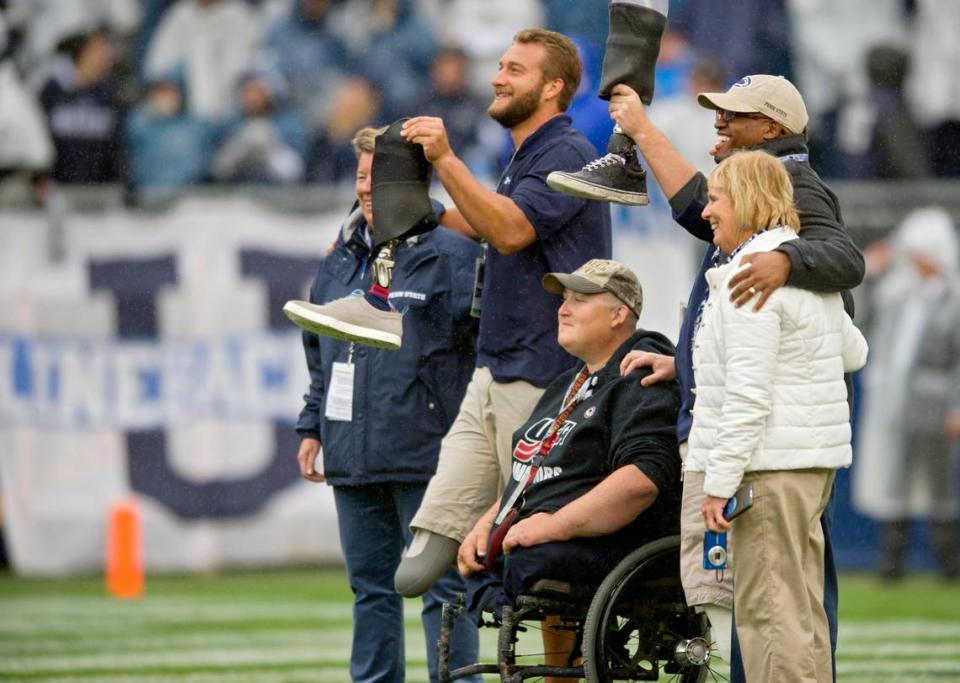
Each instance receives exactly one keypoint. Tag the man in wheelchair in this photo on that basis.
(596, 472)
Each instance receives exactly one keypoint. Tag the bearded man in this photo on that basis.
(527, 230)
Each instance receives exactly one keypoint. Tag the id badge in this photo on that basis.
(476, 302)
(340, 393)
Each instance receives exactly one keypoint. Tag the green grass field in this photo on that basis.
(292, 626)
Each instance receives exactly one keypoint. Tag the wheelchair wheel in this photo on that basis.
(638, 624)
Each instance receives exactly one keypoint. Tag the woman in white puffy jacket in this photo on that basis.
(771, 411)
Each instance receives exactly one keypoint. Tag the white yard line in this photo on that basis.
(103, 608)
(319, 655)
(908, 668)
(16, 610)
(95, 642)
(912, 628)
(297, 675)
(898, 649)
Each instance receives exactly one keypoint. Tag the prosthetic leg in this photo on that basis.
(425, 561)
(402, 209)
(630, 57)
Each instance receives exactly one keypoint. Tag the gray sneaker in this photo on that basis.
(611, 178)
(351, 318)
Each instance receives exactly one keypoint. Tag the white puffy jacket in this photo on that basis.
(770, 388)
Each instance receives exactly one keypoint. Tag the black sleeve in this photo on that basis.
(687, 205)
(824, 259)
(644, 430)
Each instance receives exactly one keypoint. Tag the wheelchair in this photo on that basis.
(633, 627)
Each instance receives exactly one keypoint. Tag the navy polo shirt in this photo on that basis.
(518, 320)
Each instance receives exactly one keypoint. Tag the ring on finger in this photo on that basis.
(753, 291)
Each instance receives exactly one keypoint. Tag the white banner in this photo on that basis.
(153, 361)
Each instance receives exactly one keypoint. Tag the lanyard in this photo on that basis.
(579, 390)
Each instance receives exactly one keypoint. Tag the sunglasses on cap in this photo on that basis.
(728, 116)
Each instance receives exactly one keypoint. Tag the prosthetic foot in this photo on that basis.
(351, 318)
(366, 319)
(615, 177)
(401, 208)
(630, 56)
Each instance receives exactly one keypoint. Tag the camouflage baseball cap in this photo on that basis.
(596, 276)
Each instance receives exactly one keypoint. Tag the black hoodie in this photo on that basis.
(619, 423)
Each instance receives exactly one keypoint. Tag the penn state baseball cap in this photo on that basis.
(773, 96)
(596, 276)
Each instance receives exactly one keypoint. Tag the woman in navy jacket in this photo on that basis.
(381, 431)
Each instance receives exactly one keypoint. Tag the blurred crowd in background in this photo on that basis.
(166, 94)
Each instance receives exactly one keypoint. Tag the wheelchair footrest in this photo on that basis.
(473, 670)
(523, 672)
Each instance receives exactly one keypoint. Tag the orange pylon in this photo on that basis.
(124, 551)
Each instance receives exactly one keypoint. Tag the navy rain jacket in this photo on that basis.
(403, 401)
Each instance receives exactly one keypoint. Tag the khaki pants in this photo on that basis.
(778, 596)
(700, 585)
(475, 455)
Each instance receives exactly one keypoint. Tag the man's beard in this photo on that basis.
(520, 109)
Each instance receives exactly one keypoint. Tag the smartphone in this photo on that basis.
(741, 501)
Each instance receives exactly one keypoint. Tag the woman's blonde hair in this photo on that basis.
(759, 188)
(363, 141)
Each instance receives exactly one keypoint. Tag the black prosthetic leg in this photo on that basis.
(401, 210)
(400, 185)
(633, 44)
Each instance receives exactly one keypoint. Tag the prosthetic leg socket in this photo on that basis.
(400, 184)
(428, 556)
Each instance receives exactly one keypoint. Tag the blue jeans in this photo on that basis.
(831, 598)
(374, 523)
